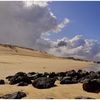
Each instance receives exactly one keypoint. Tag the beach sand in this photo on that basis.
(11, 63)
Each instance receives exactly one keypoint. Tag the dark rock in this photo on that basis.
(35, 76)
(20, 77)
(82, 75)
(39, 75)
(88, 75)
(91, 85)
(22, 84)
(46, 74)
(98, 62)
(15, 95)
(81, 97)
(49, 98)
(43, 82)
(31, 77)
(31, 73)
(84, 80)
(9, 77)
(98, 72)
(52, 75)
(59, 78)
(71, 73)
(2, 82)
(61, 74)
(20, 74)
(68, 80)
(91, 75)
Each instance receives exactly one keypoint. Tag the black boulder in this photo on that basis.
(15, 95)
(43, 82)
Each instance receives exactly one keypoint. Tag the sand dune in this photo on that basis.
(14, 59)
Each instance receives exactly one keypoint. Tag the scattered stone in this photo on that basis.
(2, 82)
(43, 83)
(15, 95)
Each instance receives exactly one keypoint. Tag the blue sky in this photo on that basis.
(84, 18)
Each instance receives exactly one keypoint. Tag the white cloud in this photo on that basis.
(62, 25)
(29, 3)
(77, 47)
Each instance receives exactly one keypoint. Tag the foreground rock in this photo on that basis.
(15, 95)
(2, 82)
(44, 82)
(91, 85)
(90, 80)
(19, 77)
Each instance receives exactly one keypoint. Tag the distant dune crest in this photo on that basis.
(18, 50)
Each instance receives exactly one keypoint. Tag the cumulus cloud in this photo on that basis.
(78, 47)
(23, 23)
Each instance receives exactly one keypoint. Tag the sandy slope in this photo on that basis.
(9, 64)
(15, 59)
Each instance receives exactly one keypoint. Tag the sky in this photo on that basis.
(65, 29)
(84, 18)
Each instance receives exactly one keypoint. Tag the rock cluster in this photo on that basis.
(90, 80)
